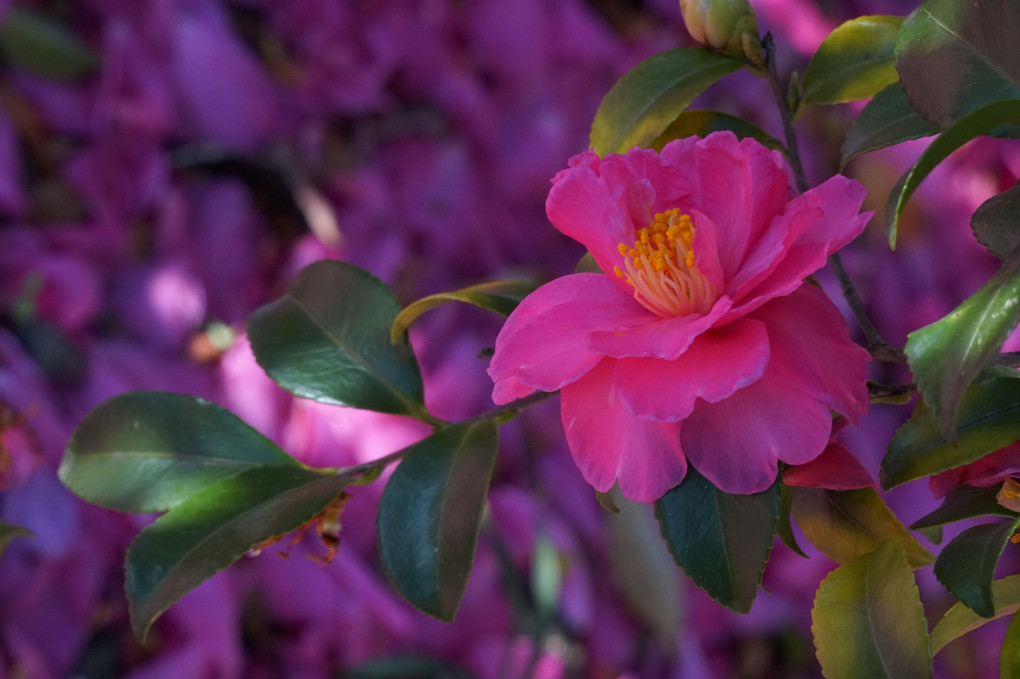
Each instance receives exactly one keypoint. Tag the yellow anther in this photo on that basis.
(690, 259)
(618, 271)
(622, 248)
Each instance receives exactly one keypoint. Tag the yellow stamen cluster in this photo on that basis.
(661, 267)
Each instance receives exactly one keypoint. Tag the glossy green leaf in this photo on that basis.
(967, 563)
(888, 119)
(868, 621)
(979, 122)
(209, 531)
(499, 296)
(147, 451)
(846, 524)
(996, 223)
(946, 355)
(643, 569)
(785, 528)
(987, 419)
(430, 514)
(328, 339)
(703, 123)
(8, 532)
(955, 57)
(721, 541)
(960, 619)
(1009, 656)
(964, 502)
(43, 46)
(854, 62)
(651, 95)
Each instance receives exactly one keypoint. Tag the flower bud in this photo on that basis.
(720, 24)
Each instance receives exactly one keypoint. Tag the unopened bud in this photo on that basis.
(720, 24)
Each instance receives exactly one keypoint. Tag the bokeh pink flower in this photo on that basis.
(702, 344)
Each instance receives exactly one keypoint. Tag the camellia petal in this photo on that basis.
(737, 443)
(812, 351)
(701, 342)
(715, 365)
(608, 443)
(544, 344)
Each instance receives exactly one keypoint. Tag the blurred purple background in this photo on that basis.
(188, 157)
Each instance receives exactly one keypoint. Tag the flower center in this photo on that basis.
(660, 267)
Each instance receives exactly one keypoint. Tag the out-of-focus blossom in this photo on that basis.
(705, 325)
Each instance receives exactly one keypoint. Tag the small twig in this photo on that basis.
(880, 349)
(793, 152)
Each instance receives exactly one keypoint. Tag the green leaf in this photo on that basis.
(854, 62)
(42, 46)
(996, 224)
(846, 524)
(868, 620)
(966, 565)
(405, 667)
(964, 502)
(987, 420)
(499, 296)
(651, 95)
(148, 451)
(9, 531)
(888, 119)
(209, 531)
(960, 619)
(785, 528)
(328, 339)
(430, 514)
(721, 541)
(644, 570)
(1009, 657)
(703, 123)
(954, 57)
(980, 121)
(946, 355)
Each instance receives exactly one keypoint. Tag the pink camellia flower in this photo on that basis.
(701, 344)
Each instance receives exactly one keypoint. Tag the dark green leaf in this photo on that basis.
(721, 541)
(868, 620)
(960, 619)
(886, 120)
(954, 57)
(996, 223)
(845, 524)
(209, 531)
(987, 420)
(946, 355)
(980, 121)
(42, 46)
(964, 502)
(643, 569)
(8, 532)
(1009, 657)
(328, 339)
(405, 667)
(785, 525)
(499, 296)
(703, 123)
(854, 62)
(148, 451)
(966, 565)
(430, 514)
(648, 98)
